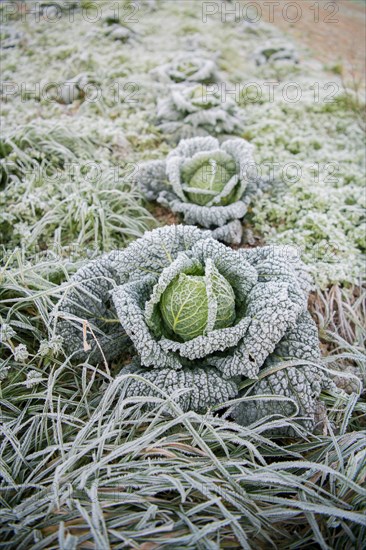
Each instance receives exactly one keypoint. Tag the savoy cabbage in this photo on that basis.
(274, 51)
(187, 67)
(196, 110)
(207, 183)
(202, 319)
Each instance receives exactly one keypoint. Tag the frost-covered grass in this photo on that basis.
(320, 204)
(82, 466)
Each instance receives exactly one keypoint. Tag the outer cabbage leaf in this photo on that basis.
(282, 263)
(156, 250)
(87, 305)
(229, 233)
(206, 386)
(271, 313)
(302, 383)
(151, 178)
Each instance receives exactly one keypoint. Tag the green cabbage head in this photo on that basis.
(200, 97)
(192, 305)
(207, 182)
(202, 319)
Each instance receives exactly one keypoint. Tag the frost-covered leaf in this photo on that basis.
(282, 263)
(157, 249)
(302, 383)
(74, 88)
(85, 317)
(151, 177)
(10, 38)
(271, 312)
(230, 233)
(350, 379)
(203, 387)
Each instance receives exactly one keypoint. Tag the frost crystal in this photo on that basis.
(33, 378)
(21, 353)
(6, 332)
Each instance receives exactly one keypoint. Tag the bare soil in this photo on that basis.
(164, 216)
(333, 30)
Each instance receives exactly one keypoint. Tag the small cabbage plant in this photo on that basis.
(207, 183)
(116, 30)
(204, 320)
(197, 110)
(275, 51)
(74, 88)
(186, 68)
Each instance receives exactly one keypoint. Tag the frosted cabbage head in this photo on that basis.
(197, 110)
(187, 68)
(201, 317)
(200, 302)
(201, 99)
(194, 303)
(275, 51)
(203, 173)
(206, 182)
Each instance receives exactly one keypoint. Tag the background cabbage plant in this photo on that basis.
(203, 320)
(276, 51)
(187, 67)
(209, 184)
(195, 110)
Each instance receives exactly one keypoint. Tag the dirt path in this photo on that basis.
(334, 30)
